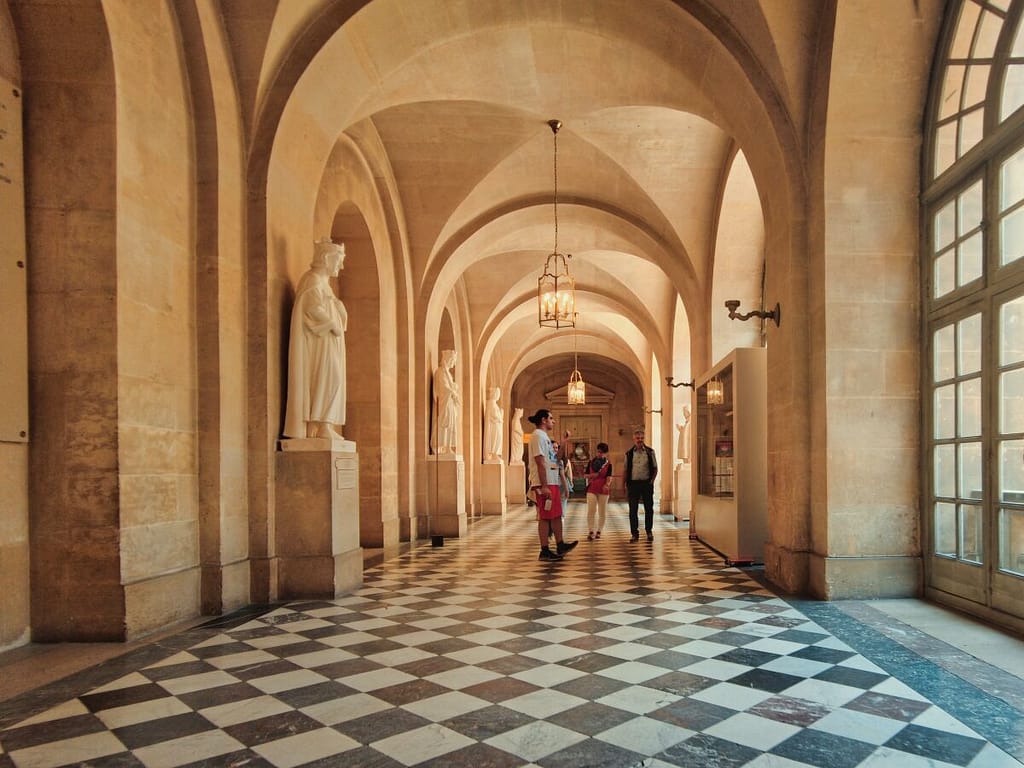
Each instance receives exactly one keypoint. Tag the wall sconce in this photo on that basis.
(668, 380)
(734, 304)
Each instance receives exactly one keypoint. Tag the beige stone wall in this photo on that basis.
(14, 542)
(76, 591)
(220, 312)
(871, 358)
(156, 324)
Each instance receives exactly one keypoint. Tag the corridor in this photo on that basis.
(475, 654)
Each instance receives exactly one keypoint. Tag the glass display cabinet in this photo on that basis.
(731, 507)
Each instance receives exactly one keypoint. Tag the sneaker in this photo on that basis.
(650, 536)
(547, 554)
(597, 535)
(566, 546)
(634, 537)
(590, 536)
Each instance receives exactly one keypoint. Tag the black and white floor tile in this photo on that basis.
(476, 654)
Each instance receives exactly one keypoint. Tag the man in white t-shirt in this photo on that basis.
(545, 486)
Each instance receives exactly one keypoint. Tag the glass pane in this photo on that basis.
(945, 274)
(944, 355)
(972, 126)
(945, 226)
(970, 259)
(970, 408)
(1011, 332)
(1013, 90)
(970, 209)
(1011, 237)
(952, 86)
(988, 33)
(977, 82)
(970, 471)
(1011, 540)
(1018, 42)
(971, 537)
(1011, 180)
(969, 345)
(945, 471)
(1011, 402)
(945, 147)
(1011, 471)
(945, 412)
(961, 47)
(945, 529)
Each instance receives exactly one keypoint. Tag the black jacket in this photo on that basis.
(652, 462)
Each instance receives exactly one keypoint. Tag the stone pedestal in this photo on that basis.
(317, 518)
(684, 492)
(515, 488)
(492, 488)
(446, 495)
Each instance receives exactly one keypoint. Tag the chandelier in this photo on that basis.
(556, 289)
(577, 389)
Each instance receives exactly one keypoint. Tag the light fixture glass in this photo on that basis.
(556, 288)
(716, 392)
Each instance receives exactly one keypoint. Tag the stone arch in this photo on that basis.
(350, 209)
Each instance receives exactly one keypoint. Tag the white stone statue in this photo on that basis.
(447, 404)
(494, 426)
(515, 438)
(316, 350)
(683, 446)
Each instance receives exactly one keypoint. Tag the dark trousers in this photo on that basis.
(637, 491)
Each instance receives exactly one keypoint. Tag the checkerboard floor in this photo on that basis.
(477, 654)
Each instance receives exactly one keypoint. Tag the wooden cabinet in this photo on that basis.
(731, 507)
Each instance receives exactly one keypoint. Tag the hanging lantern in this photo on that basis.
(556, 288)
(577, 389)
(716, 392)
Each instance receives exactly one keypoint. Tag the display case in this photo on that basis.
(731, 507)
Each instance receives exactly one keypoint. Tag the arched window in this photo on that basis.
(973, 311)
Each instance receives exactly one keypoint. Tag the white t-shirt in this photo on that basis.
(541, 445)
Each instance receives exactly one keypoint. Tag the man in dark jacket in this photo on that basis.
(641, 470)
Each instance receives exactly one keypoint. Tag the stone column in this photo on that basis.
(317, 520)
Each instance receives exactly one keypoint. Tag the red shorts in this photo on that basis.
(556, 504)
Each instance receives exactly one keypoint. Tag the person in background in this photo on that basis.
(599, 478)
(641, 470)
(545, 480)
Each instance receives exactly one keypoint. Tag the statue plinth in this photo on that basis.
(336, 444)
(446, 495)
(492, 488)
(683, 477)
(317, 518)
(515, 487)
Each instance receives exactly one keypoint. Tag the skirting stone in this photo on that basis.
(160, 601)
(864, 578)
